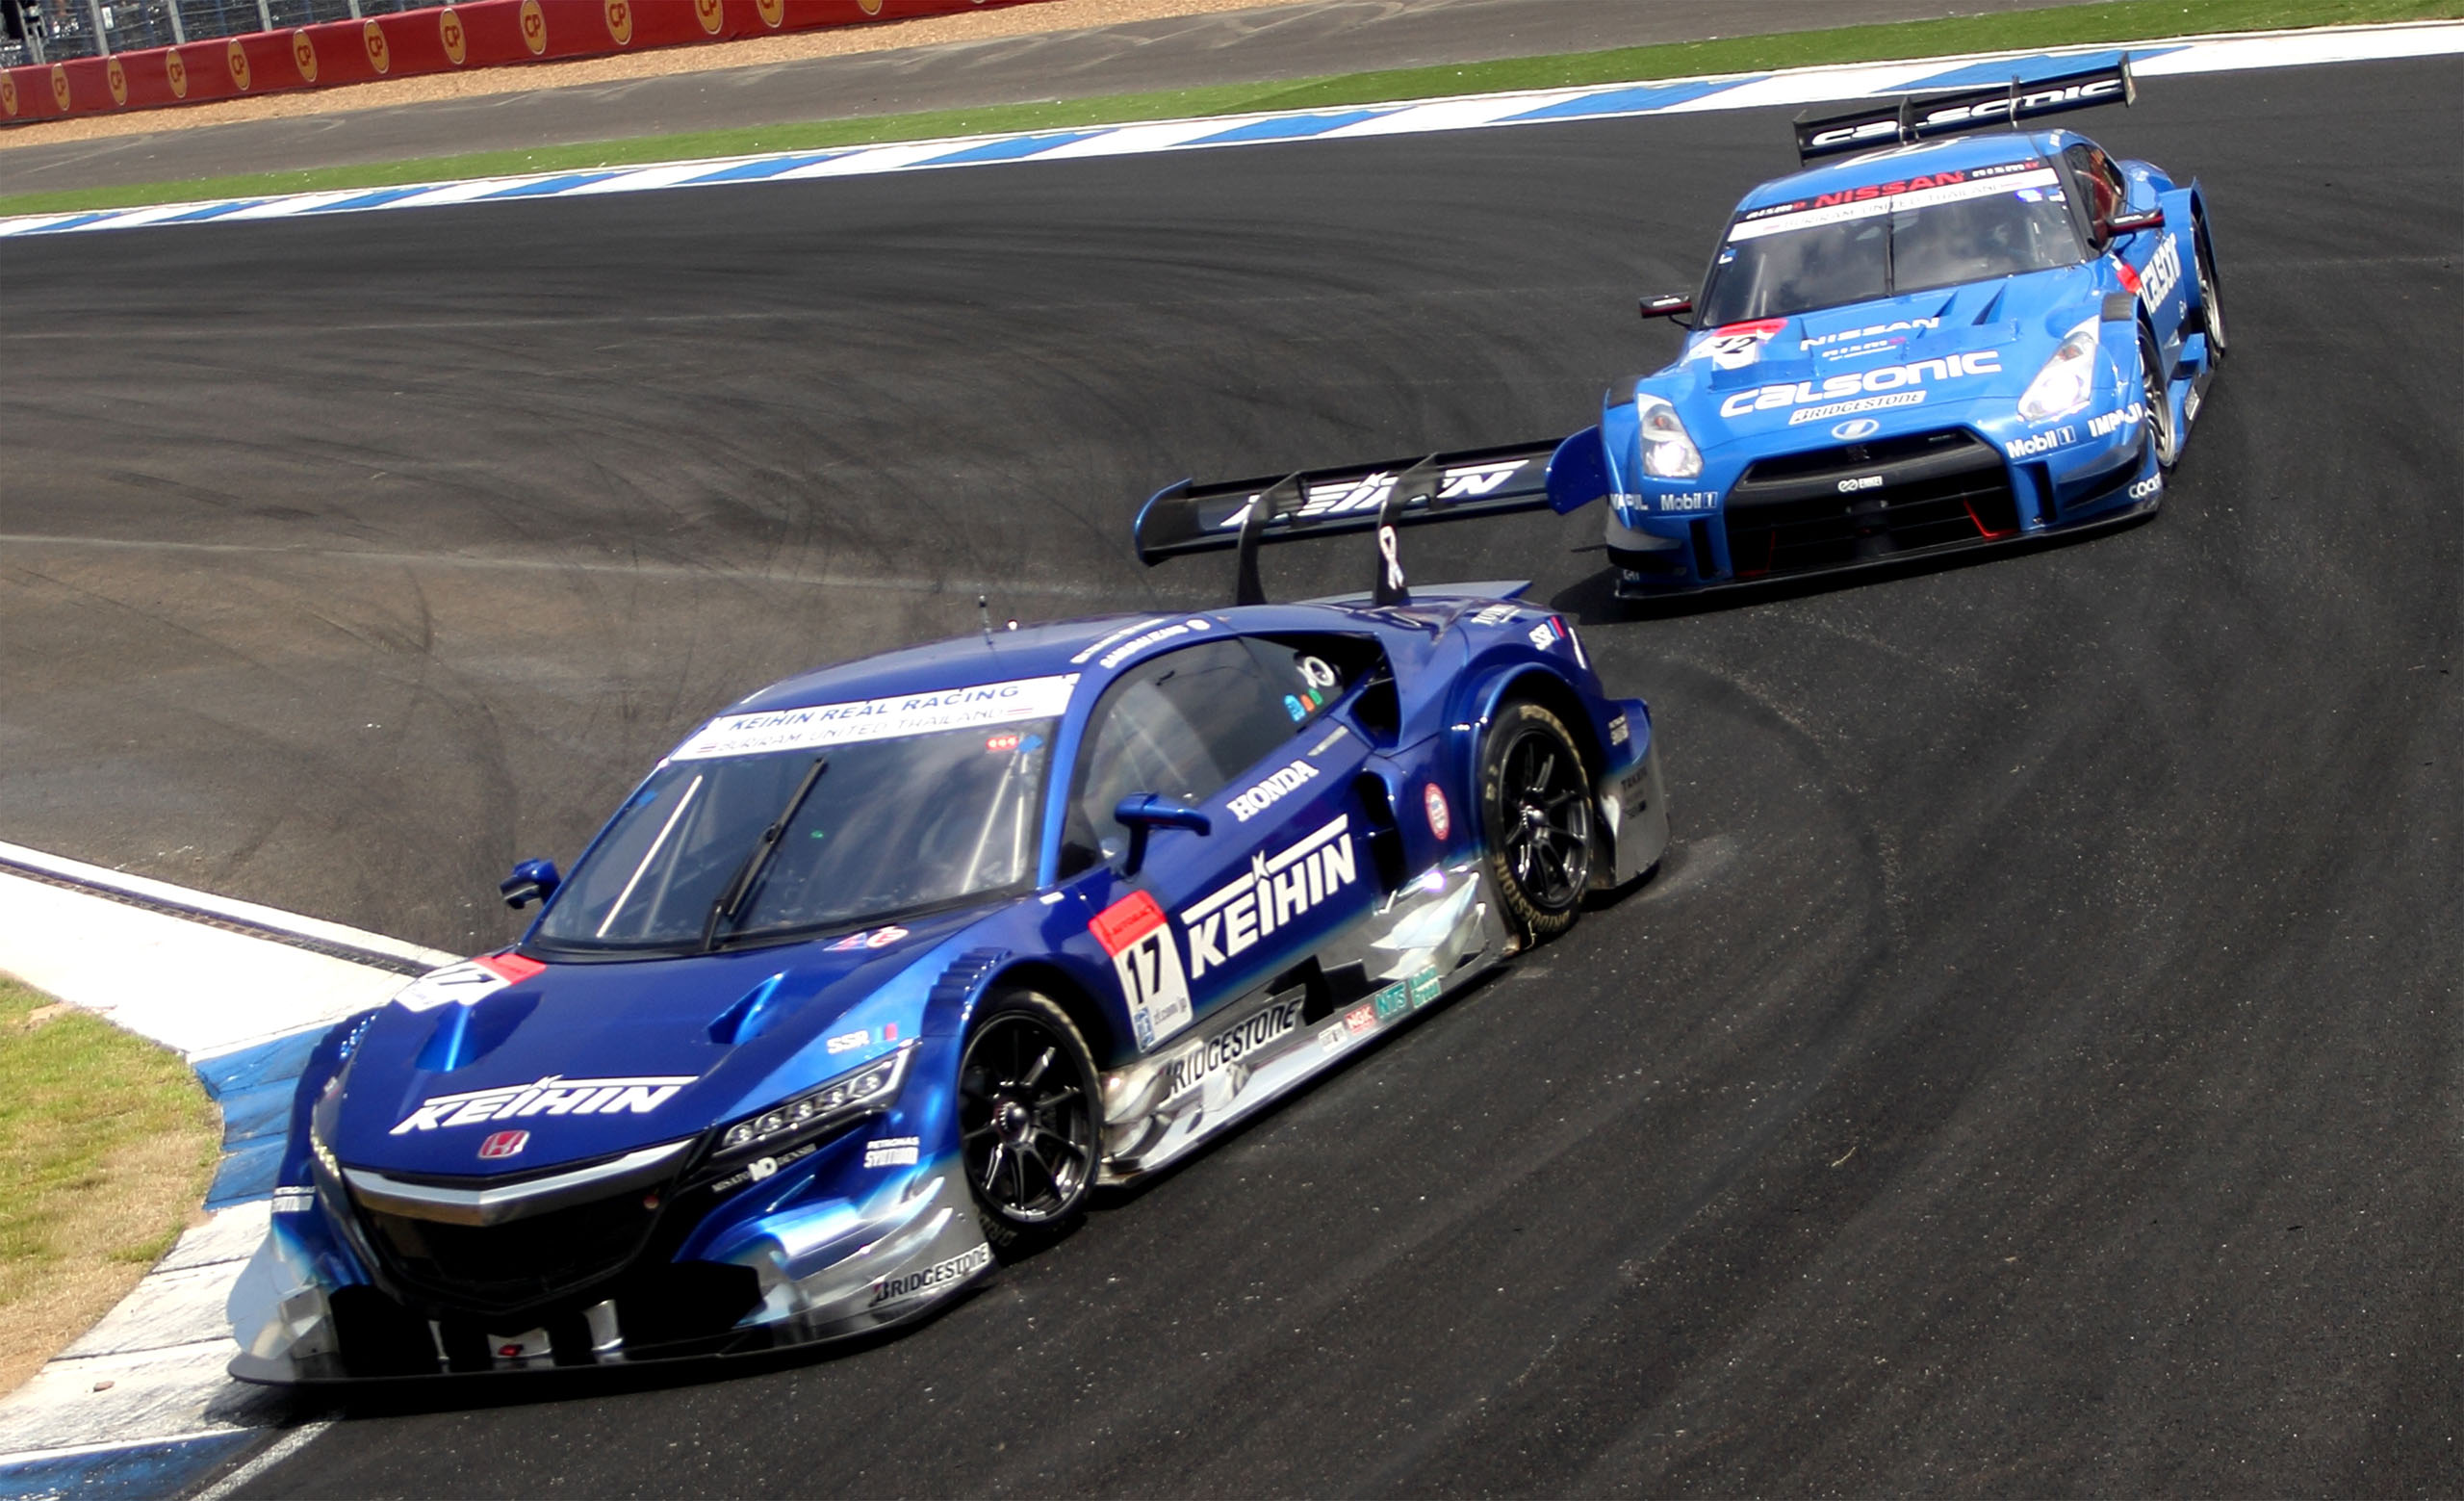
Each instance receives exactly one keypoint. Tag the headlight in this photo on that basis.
(1668, 448)
(863, 1092)
(2069, 380)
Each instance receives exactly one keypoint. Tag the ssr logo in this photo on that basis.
(2163, 273)
(2041, 442)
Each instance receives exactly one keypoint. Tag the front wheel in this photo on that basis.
(1535, 810)
(2157, 400)
(1026, 1096)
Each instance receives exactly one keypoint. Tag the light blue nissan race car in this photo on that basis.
(1930, 343)
(1947, 339)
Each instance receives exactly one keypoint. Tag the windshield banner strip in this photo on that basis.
(1871, 208)
(880, 718)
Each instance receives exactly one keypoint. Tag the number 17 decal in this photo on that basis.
(1138, 936)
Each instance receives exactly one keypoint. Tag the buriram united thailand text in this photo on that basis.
(880, 718)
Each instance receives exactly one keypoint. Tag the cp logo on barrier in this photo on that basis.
(620, 21)
(711, 14)
(773, 11)
(8, 94)
(236, 58)
(60, 86)
(874, 6)
(380, 57)
(118, 77)
(449, 31)
(177, 71)
(534, 27)
(304, 56)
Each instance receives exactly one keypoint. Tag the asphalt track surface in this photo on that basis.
(2036, 1070)
(1237, 46)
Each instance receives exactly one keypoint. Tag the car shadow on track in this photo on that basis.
(1592, 600)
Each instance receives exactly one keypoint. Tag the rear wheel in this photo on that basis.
(1535, 808)
(1027, 1097)
(2211, 309)
(2158, 401)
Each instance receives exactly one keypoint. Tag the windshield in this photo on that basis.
(885, 827)
(1937, 231)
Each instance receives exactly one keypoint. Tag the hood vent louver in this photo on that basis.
(752, 1014)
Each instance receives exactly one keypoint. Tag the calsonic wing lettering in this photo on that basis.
(1138, 938)
(880, 718)
(1881, 380)
(2163, 273)
(1271, 792)
(554, 1095)
(1274, 892)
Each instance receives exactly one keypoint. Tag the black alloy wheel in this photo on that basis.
(1026, 1096)
(2211, 308)
(2158, 403)
(1535, 805)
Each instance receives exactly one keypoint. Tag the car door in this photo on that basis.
(1241, 731)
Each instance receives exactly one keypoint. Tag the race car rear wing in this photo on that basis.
(1951, 112)
(1244, 513)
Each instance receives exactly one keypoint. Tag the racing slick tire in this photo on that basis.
(1027, 1092)
(1536, 815)
(2161, 434)
(2211, 306)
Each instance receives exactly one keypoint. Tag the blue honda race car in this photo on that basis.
(1933, 338)
(880, 972)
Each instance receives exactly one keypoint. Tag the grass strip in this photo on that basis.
(107, 1144)
(2066, 25)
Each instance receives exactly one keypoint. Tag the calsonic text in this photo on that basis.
(1271, 792)
(554, 1095)
(880, 718)
(1948, 116)
(1886, 377)
(1230, 1045)
(2163, 273)
(1274, 892)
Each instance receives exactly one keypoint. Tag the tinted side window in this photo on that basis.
(1183, 724)
(2102, 190)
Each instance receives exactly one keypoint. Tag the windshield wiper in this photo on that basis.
(732, 901)
(1890, 254)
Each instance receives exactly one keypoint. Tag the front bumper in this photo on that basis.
(304, 1312)
(1884, 501)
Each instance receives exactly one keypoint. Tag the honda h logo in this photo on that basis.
(1851, 431)
(505, 1144)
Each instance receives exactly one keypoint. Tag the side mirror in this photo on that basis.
(533, 880)
(2133, 223)
(1142, 812)
(1672, 308)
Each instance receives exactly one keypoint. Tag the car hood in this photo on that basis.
(1745, 382)
(667, 1048)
